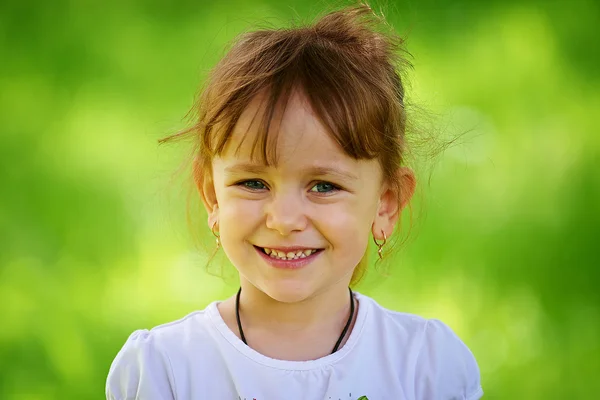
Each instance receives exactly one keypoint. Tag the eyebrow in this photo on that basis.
(315, 170)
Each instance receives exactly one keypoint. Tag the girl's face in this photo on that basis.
(316, 198)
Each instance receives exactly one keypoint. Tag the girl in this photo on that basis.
(300, 138)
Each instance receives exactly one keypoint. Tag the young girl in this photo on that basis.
(300, 161)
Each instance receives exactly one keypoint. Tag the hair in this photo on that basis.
(348, 65)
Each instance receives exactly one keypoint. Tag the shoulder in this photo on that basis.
(398, 325)
(442, 366)
(445, 367)
(143, 367)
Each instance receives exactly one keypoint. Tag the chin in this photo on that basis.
(288, 292)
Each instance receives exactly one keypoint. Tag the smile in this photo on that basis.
(288, 258)
(288, 255)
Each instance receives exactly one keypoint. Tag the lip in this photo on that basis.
(288, 264)
(287, 249)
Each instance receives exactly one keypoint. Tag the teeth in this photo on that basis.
(280, 255)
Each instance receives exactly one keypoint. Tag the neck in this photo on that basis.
(323, 311)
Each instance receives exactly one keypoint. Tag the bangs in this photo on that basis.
(351, 105)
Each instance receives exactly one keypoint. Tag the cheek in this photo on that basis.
(232, 206)
(235, 226)
(238, 219)
(355, 216)
(347, 228)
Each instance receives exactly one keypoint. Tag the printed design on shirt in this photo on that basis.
(349, 396)
(330, 398)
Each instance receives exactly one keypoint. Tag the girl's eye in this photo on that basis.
(252, 185)
(324, 187)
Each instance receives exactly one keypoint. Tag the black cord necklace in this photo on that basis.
(337, 344)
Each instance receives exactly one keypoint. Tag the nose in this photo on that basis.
(286, 213)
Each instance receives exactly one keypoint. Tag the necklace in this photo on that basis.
(337, 344)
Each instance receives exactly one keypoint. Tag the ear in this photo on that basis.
(408, 184)
(206, 190)
(392, 201)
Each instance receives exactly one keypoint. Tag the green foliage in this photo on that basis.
(94, 236)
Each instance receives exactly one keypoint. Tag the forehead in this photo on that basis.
(296, 136)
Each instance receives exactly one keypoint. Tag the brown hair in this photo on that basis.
(348, 64)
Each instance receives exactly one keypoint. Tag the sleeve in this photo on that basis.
(140, 371)
(445, 368)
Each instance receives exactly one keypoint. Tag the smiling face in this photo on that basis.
(314, 198)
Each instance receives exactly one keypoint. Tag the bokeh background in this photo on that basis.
(94, 235)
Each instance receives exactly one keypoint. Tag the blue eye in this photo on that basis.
(253, 185)
(324, 187)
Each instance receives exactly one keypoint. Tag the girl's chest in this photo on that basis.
(251, 381)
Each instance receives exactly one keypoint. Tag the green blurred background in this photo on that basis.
(94, 235)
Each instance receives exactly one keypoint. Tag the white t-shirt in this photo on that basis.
(388, 355)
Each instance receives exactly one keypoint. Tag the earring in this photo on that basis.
(380, 245)
(216, 235)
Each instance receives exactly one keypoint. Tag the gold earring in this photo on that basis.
(216, 235)
(380, 245)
